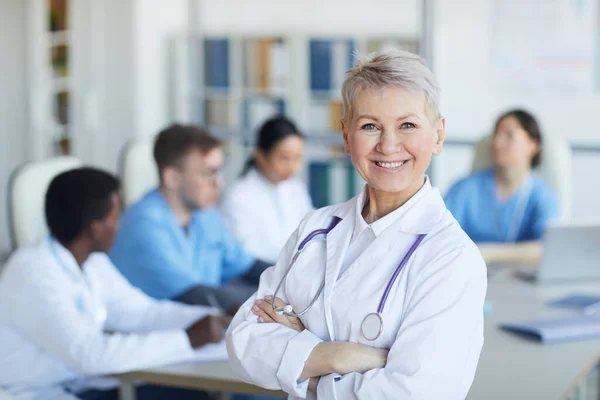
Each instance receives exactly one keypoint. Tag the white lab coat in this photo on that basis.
(433, 319)
(53, 319)
(262, 215)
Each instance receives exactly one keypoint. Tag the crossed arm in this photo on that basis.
(326, 357)
(434, 354)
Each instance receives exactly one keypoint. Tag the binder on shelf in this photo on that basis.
(333, 181)
(251, 67)
(218, 112)
(335, 116)
(266, 66)
(278, 67)
(320, 65)
(329, 62)
(264, 48)
(216, 54)
(356, 183)
(318, 184)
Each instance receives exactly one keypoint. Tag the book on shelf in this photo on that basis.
(266, 67)
(216, 55)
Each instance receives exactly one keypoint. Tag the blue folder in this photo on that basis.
(585, 303)
(557, 330)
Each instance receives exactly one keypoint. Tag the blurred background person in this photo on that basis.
(59, 297)
(173, 243)
(264, 206)
(505, 209)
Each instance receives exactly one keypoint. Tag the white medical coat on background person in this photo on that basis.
(53, 317)
(432, 320)
(262, 215)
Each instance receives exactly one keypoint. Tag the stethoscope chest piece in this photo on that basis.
(372, 326)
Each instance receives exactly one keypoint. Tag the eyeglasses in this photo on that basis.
(211, 173)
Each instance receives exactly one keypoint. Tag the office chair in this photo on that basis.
(26, 195)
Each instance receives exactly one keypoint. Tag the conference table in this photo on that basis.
(510, 367)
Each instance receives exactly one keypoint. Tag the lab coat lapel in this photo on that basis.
(424, 215)
(338, 241)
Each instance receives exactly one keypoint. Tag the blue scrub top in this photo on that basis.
(154, 252)
(486, 219)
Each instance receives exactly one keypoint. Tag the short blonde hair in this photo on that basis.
(392, 68)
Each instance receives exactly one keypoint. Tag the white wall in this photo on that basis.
(156, 24)
(13, 101)
(387, 17)
(110, 120)
(463, 35)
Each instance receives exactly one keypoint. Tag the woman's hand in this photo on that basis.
(264, 310)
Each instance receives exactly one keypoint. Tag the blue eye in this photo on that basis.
(369, 127)
(408, 125)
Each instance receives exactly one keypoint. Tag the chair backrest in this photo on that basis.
(26, 195)
(139, 173)
(137, 169)
(555, 169)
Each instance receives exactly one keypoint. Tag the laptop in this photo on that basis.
(571, 252)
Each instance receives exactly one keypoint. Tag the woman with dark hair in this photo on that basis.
(506, 204)
(264, 206)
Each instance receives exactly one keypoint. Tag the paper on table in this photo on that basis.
(211, 353)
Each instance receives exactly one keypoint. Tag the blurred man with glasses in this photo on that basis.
(172, 243)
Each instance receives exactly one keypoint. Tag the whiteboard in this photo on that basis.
(473, 93)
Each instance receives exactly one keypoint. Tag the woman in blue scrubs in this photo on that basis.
(506, 206)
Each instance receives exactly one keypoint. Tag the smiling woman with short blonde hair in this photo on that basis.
(390, 304)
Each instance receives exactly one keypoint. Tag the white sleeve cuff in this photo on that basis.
(326, 387)
(292, 363)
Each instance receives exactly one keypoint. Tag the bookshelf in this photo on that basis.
(246, 81)
(58, 42)
(234, 83)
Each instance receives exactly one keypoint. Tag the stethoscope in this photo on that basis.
(512, 231)
(101, 314)
(372, 325)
